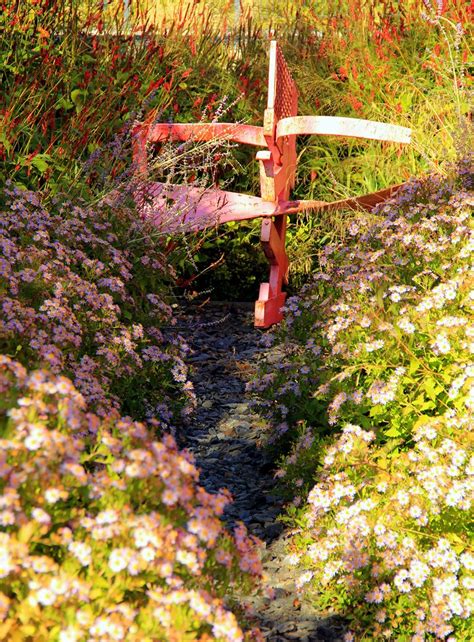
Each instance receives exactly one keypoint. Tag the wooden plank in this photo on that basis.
(268, 309)
(350, 127)
(175, 208)
(239, 133)
(272, 75)
(273, 245)
(267, 178)
(139, 153)
(275, 180)
(365, 202)
(182, 208)
(201, 209)
(272, 238)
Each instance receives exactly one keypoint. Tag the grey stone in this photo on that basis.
(225, 436)
(272, 531)
(286, 627)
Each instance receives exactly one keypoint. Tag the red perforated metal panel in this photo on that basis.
(286, 94)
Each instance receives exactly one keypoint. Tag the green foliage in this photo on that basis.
(379, 349)
(79, 295)
(232, 264)
(85, 84)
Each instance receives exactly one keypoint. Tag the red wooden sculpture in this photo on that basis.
(204, 208)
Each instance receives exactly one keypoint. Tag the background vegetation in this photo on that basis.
(405, 62)
(85, 325)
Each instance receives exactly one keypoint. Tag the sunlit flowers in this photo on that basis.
(77, 523)
(386, 527)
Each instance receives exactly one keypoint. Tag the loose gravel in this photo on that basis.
(227, 438)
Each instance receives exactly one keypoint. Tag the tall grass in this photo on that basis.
(77, 73)
(73, 77)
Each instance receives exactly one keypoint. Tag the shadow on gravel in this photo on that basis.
(224, 434)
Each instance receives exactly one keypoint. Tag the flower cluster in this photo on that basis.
(106, 539)
(105, 531)
(394, 530)
(384, 328)
(79, 298)
(385, 339)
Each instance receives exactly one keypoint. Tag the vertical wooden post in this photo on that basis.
(277, 171)
(140, 163)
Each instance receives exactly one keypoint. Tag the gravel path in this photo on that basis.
(226, 437)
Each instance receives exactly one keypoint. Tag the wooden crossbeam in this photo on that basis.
(182, 208)
(346, 127)
(366, 202)
(199, 132)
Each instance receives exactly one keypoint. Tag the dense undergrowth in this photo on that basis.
(80, 295)
(374, 390)
(106, 534)
(105, 531)
(70, 84)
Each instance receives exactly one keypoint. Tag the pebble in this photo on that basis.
(225, 436)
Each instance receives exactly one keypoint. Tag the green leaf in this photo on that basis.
(39, 161)
(432, 388)
(64, 103)
(78, 97)
(5, 142)
(392, 432)
(406, 101)
(377, 410)
(5, 628)
(379, 296)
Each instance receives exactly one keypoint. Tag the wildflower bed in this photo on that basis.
(105, 531)
(375, 394)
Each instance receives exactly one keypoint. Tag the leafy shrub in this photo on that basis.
(79, 294)
(397, 293)
(86, 85)
(400, 62)
(388, 531)
(106, 534)
(380, 347)
(235, 264)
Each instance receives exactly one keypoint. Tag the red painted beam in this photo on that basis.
(366, 202)
(273, 246)
(183, 208)
(268, 309)
(199, 132)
